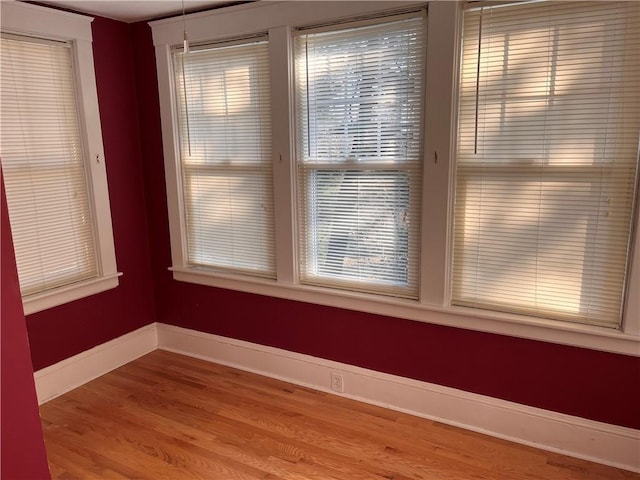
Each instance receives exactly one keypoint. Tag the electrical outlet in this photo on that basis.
(337, 382)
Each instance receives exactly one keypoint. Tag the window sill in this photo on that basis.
(68, 293)
(585, 336)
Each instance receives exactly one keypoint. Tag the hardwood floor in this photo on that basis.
(167, 416)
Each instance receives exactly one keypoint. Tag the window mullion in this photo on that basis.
(439, 114)
(281, 60)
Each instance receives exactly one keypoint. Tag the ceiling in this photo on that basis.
(134, 10)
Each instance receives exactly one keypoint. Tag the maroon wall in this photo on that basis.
(61, 332)
(21, 442)
(591, 384)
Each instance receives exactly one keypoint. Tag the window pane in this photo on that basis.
(223, 98)
(222, 235)
(359, 100)
(361, 224)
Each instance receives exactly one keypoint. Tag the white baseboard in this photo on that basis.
(75, 371)
(574, 436)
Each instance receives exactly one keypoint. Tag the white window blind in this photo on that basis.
(224, 120)
(547, 155)
(43, 165)
(359, 122)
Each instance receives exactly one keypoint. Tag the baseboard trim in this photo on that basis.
(75, 371)
(569, 435)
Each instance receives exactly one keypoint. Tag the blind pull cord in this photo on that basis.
(185, 51)
(306, 61)
(475, 133)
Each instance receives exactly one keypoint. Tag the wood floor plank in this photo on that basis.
(167, 416)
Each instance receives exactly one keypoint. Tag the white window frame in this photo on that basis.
(32, 20)
(433, 306)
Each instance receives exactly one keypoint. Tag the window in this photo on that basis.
(43, 164)
(359, 102)
(62, 252)
(223, 98)
(375, 196)
(547, 159)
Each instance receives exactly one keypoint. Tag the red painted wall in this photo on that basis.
(22, 453)
(590, 384)
(61, 332)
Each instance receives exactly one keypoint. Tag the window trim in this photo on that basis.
(33, 20)
(443, 28)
